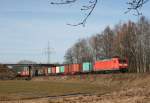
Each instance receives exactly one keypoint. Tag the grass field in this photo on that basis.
(31, 89)
(122, 85)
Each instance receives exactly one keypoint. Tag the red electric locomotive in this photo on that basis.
(113, 64)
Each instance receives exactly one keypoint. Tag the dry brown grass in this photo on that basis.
(128, 88)
(118, 88)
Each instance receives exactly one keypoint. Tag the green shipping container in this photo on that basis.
(87, 67)
(49, 70)
(62, 69)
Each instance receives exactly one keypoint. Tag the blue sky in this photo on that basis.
(26, 26)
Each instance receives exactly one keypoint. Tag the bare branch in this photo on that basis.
(89, 8)
(135, 5)
(64, 2)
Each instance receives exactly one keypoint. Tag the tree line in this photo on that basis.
(129, 40)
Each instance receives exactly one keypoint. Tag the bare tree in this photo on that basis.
(132, 41)
(126, 47)
(134, 5)
(69, 56)
(129, 40)
(108, 41)
(96, 45)
(79, 52)
(143, 27)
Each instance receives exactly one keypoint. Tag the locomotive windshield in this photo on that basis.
(122, 61)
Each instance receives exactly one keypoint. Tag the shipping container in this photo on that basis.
(57, 69)
(46, 70)
(74, 68)
(87, 67)
(53, 70)
(49, 70)
(61, 69)
(66, 67)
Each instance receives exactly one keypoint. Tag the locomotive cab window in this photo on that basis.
(114, 61)
(122, 61)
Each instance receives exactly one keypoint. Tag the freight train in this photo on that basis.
(111, 65)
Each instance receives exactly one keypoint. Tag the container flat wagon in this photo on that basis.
(102, 66)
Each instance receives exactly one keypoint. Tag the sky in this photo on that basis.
(26, 27)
